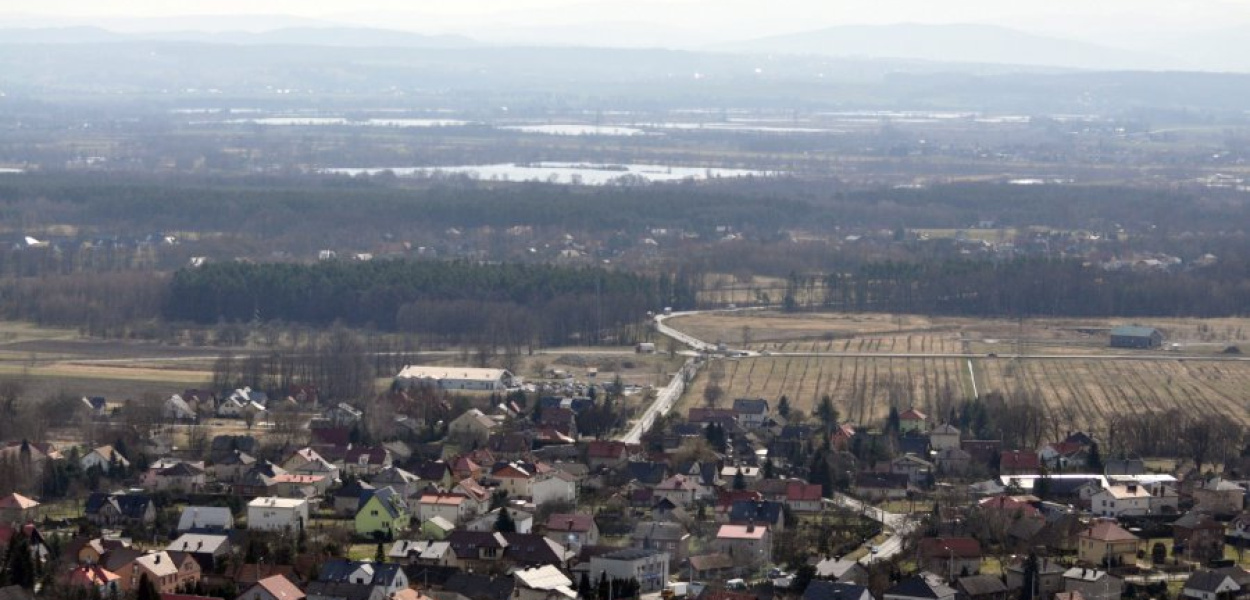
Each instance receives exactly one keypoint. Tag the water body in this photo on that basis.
(576, 129)
(315, 121)
(564, 173)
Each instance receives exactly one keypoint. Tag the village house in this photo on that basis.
(804, 497)
(982, 587)
(943, 437)
(953, 461)
(1198, 536)
(307, 461)
(835, 590)
(760, 512)
(912, 420)
(922, 586)
(606, 453)
(472, 427)
(918, 470)
(712, 567)
(366, 460)
(843, 570)
(204, 519)
(233, 466)
(523, 520)
(748, 545)
(574, 531)
(275, 587)
(1105, 543)
(408, 485)
(103, 458)
(543, 583)
(648, 567)
(1019, 462)
(347, 498)
(209, 550)
(108, 510)
(437, 528)
(1210, 585)
(94, 577)
(678, 489)
(424, 552)
(752, 412)
(670, 538)
(277, 514)
(453, 507)
(952, 557)
(1120, 501)
(383, 514)
(1092, 584)
(880, 486)
(1049, 577)
(16, 508)
(181, 477)
(1219, 496)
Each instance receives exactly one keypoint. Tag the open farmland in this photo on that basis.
(1087, 393)
(862, 388)
(1075, 374)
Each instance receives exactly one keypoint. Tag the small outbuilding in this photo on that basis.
(1136, 336)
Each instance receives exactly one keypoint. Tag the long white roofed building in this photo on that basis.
(456, 378)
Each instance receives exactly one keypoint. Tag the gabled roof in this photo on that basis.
(797, 491)
(705, 562)
(742, 532)
(467, 544)
(388, 499)
(835, 568)
(661, 531)
(1107, 531)
(912, 414)
(574, 523)
(919, 586)
(1134, 331)
(195, 517)
(199, 543)
(606, 449)
(959, 547)
(1019, 459)
(281, 588)
(758, 511)
(832, 590)
(1197, 520)
(16, 501)
(1211, 582)
(159, 564)
(533, 549)
(750, 406)
(678, 483)
(981, 585)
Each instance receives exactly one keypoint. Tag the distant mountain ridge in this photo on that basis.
(357, 37)
(950, 43)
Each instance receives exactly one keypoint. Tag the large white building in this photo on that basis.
(1121, 501)
(456, 378)
(276, 514)
(649, 567)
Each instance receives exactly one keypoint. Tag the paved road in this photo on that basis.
(899, 524)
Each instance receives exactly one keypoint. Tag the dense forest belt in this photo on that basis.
(300, 205)
(497, 304)
(1032, 287)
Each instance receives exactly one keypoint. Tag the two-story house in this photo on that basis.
(574, 531)
(383, 514)
(1105, 543)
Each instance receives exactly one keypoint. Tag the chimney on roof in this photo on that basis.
(751, 526)
(1132, 488)
(158, 559)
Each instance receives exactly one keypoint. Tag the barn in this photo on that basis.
(1135, 336)
(455, 378)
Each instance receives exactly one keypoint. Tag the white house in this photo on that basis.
(103, 457)
(473, 425)
(456, 378)
(524, 521)
(177, 409)
(1120, 500)
(543, 583)
(649, 567)
(557, 486)
(205, 517)
(944, 436)
(275, 514)
(453, 507)
(1210, 585)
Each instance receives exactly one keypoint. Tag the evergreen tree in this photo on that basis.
(504, 523)
(584, 591)
(1029, 585)
(740, 482)
(818, 473)
(827, 413)
(379, 556)
(146, 590)
(1095, 459)
(783, 407)
(19, 564)
(769, 470)
(892, 422)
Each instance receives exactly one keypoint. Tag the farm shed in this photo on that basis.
(1134, 336)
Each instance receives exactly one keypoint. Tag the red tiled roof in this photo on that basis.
(959, 547)
(281, 588)
(570, 522)
(797, 491)
(605, 449)
(1107, 531)
(1009, 504)
(726, 498)
(1019, 459)
(912, 414)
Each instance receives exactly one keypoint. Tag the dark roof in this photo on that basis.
(630, 554)
(750, 406)
(1205, 581)
(428, 576)
(1197, 520)
(338, 570)
(914, 444)
(658, 531)
(881, 480)
(431, 470)
(131, 506)
(961, 547)
(479, 587)
(1134, 331)
(337, 589)
(388, 498)
(376, 455)
(225, 445)
(531, 549)
(981, 585)
(832, 590)
(181, 469)
(755, 511)
(355, 489)
(649, 473)
(917, 587)
(467, 543)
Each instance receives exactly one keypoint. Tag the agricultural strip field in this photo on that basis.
(1090, 392)
(862, 388)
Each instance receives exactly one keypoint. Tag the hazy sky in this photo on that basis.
(711, 18)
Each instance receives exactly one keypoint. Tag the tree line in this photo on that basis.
(453, 301)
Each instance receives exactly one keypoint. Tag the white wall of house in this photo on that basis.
(275, 514)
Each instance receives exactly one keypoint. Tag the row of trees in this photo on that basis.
(504, 305)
